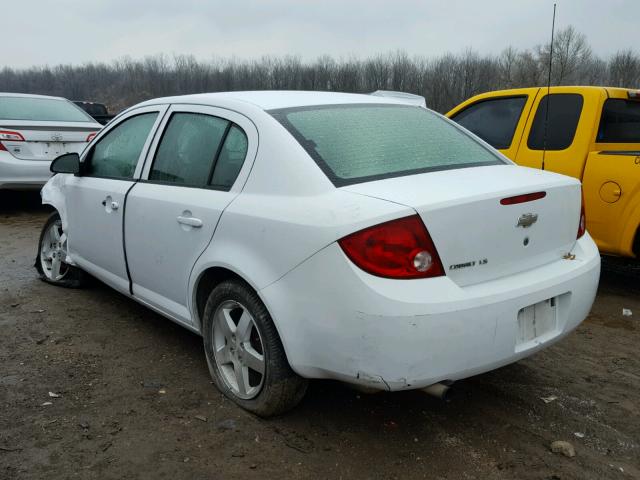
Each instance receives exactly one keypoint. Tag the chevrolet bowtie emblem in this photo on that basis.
(527, 219)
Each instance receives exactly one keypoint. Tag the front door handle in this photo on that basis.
(110, 204)
(190, 221)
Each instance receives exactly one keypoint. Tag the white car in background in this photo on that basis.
(35, 129)
(323, 235)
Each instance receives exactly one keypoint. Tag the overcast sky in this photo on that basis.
(37, 32)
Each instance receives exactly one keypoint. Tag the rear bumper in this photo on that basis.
(22, 174)
(338, 322)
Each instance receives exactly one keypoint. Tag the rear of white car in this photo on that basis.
(34, 130)
(491, 265)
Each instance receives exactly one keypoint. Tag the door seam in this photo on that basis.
(126, 195)
(124, 243)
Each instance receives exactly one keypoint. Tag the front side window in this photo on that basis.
(188, 149)
(355, 143)
(620, 122)
(493, 120)
(561, 122)
(41, 109)
(116, 154)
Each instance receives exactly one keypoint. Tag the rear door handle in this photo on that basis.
(190, 221)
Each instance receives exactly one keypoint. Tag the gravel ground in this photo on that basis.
(132, 397)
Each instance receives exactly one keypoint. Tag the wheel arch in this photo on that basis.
(211, 276)
(51, 194)
(206, 281)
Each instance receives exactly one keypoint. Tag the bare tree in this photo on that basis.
(624, 69)
(444, 80)
(571, 56)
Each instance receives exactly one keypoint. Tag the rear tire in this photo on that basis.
(244, 353)
(52, 251)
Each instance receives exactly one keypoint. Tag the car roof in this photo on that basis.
(554, 88)
(29, 95)
(276, 99)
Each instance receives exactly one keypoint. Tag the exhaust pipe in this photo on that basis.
(438, 390)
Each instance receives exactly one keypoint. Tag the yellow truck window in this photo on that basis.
(620, 122)
(493, 120)
(564, 114)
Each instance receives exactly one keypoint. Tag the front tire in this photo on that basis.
(52, 252)
(244, 352)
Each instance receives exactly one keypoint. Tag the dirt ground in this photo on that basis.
(133, 397)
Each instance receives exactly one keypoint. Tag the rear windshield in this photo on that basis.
(620, 122)
(364, 142)
(41, 109)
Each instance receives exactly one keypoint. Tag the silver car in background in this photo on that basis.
(35, 129)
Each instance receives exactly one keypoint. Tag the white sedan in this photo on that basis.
(323, 235)
(35, 129)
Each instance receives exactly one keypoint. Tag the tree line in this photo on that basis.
(444, 81)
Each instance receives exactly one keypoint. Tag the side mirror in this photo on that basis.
(66, 163)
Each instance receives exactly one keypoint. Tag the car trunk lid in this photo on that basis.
(46, 140)
(477, 237)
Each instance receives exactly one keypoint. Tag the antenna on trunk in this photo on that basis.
(548, 99)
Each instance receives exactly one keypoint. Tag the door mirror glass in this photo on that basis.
(66, 163)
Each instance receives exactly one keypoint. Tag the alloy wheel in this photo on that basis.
(238, 350)
(53, 252)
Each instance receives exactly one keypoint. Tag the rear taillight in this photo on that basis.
(582, 226)
(399, 249)
(91, 136)
(9, 136)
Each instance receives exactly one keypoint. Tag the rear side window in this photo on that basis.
(231, 159)
(564, 114)
(356, 143)
(620, 122)
(116, 154)
(41, 109)
(493, 120)
(188, 149)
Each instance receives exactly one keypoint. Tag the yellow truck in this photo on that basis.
(590, 133)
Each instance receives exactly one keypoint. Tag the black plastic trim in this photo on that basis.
(630, 153)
